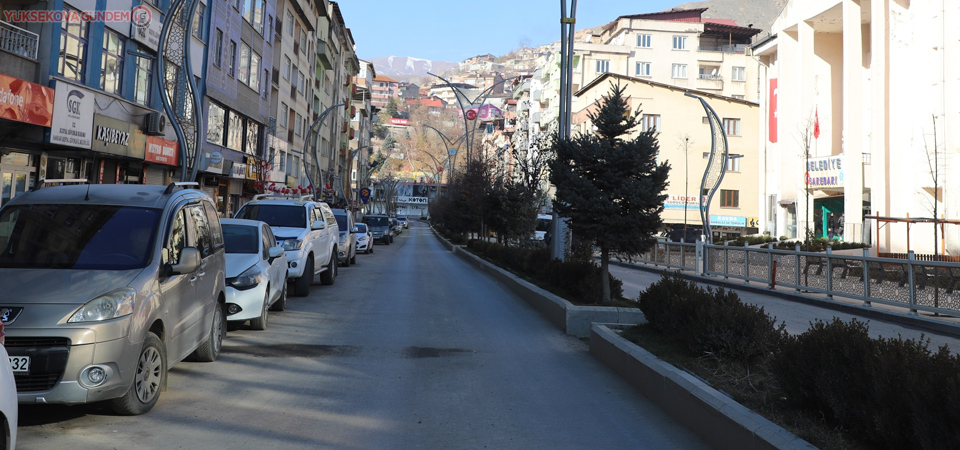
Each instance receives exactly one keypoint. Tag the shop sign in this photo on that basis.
(728, 221)
(72, 123)
(211, 167)
(691, 202)
(824, 172)
(239, 170)
(23, 101)
(117, 137)
(145, 26)
(161, 151)
(412, 200)
(251, 171)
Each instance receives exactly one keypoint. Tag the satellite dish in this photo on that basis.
(714, 72)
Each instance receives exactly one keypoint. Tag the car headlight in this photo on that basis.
(292, 244)
(362, 238)
(249, 279)
(113, 304)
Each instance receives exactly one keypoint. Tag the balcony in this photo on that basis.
(18, 41)
(323, 55)
(710, 82)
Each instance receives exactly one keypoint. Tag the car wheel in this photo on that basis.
(147, 382)
(209, 350)
(330, 275)
(260, 323)
(301, 286)
(346, 260)
(370, 249)
(281, 303)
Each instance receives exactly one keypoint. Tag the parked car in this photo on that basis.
(543, 225)
(8, 400)
(379, 228)
(403, 221)
(364, 240)
(307, 231)
(347, 247)
(256, 272)
(106, 287)
(395, 226)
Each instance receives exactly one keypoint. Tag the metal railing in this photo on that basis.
(930, 286)
(18, 41)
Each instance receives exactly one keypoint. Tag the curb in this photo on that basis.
(716, 418)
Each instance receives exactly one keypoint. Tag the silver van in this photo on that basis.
(107, 286)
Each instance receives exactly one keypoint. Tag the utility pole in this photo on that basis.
(686, 182)
(558, 229)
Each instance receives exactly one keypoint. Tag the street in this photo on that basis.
(411, 348)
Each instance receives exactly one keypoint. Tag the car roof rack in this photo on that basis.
(59, 182)
(180, 184)
(298, 198)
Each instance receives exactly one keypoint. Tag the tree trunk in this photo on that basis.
(604, 275)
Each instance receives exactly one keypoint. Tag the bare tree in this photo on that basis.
(806, 138)
(932, 203)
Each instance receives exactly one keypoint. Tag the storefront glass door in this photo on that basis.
(14, 183)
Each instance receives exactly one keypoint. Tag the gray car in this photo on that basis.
(347, 249)
(106, 287)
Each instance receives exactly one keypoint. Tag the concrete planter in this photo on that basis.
(572, 319)
(719, 420)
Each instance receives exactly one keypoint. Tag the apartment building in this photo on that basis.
(383, 89)
(93, 110)
(685, 144)
(237, 97)
(335, 138)
(857, 121)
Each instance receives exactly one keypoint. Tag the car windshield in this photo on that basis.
(341, 222)
(377, 221)
(543, 224)
(88, 237)
(361, 228)
(241, 238)
(276, 215)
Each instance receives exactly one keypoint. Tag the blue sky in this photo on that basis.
(453, 30)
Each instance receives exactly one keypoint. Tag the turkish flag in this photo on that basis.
(816, 124)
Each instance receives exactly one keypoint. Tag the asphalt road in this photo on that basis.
(410, 349)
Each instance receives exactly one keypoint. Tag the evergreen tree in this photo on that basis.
(609, 188)
(392, 109)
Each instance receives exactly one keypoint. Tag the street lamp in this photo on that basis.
(484, 94)
(311, 141)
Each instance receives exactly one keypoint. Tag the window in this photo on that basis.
(739, 74)
(111, 68)
(679, 70)
(286, 68)
(301, 81)
(73, 45)
(298, 125)
(253, 14)
(643, 69)
(284, 110)
(650, 122)
(237, 5)
(198, 21)
(603, 65)
(733, 163)
(253, 138)
(283, 162)
(679, 42)
(255, 71)
(729, 198)
(232, 58)
(215, 116)
(218, 49)
(289, 23)
(141, 91)
(643, 40)
(235, 132)
(264, 82)
(303, 40)
(244, 74)
(732, 127)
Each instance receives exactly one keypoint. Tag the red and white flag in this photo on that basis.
(816, 124)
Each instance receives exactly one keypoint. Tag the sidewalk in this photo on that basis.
(799, 310)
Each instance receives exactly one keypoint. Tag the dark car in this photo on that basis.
(380, 229)
(395, 226)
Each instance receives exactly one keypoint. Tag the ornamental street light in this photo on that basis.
(460, 95)
(311, 142)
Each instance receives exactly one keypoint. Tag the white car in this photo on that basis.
(364, 240)
(256, 272)
(8, 404)
(308, 233)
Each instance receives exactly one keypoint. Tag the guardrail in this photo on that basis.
(18, 41)
(929, 286)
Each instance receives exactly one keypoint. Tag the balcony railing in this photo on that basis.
(18, 41)
(713, 77)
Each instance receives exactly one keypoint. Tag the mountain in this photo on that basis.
(404, 68)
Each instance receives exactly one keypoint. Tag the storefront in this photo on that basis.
(161, 159)
(26, 113)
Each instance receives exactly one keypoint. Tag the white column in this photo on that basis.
(852, 136)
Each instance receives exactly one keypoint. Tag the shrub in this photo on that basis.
(711, 321)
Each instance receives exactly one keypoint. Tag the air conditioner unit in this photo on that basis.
(154, 123)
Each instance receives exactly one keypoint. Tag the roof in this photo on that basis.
(384, 78)
(607, 75)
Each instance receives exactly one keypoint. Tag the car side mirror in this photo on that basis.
(319, 224)
(355, 230)
(189, 261)
(274, 252)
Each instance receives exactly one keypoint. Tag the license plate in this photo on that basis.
(20, 364)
